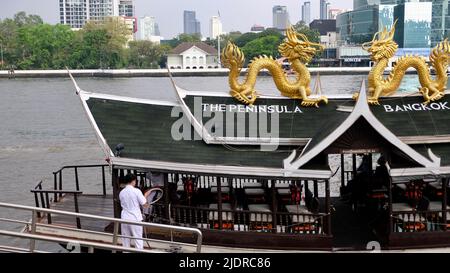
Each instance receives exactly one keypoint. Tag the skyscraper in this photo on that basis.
(126, 8)
(73, 12)
(306, 13)
(76, 13)
(100, 9)
(280, 17)
(148, 28)
(324, 9)
(191, 24)
(215, 27)
(421, 24)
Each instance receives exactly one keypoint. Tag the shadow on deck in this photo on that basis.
(98, 205)
(350, 229)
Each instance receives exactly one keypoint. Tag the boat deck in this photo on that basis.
(348, 230)
(98, 205)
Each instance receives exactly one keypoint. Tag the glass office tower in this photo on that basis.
(422, 24)
(414, 24)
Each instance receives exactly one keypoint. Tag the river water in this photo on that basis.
(43, 126)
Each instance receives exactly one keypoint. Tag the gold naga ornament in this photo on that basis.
(297, 51)
(383, 47)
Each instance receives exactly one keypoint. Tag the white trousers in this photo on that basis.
(132, 231)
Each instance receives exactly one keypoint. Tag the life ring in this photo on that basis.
(151, 195)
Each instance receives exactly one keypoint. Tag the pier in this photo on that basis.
(124, 73)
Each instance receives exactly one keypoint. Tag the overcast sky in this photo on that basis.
(236, 14)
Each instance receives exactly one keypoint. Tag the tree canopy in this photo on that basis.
(28, 43)
(312, 34)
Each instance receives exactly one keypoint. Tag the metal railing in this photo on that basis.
(42, 197)
(420, 221)
(244, 220)
(81, 243)
(58, 178)
(113, 246)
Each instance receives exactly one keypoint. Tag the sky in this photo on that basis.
(238, 15)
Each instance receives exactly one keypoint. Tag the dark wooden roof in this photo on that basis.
(145, 130)
(186, 46)
(406, 117)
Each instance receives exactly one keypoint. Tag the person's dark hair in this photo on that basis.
(129, 178)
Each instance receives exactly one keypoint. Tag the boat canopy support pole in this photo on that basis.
(116, 186)
(166, 195)
(316, 188)
(219, 201)
(342, 170)
(328, 206)
(444, 202)
(274, 206)
(354, 164)
(306, 186)
(391, 222)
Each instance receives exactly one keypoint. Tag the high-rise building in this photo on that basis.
(76, 13)
(191, 24)
(421, 24)
(215, 28)
(280, 17)
(148, 28)
(413, 28)
(126, 8)
(306, 13)
(100, 9)
(333, 13)
(324, 9)
(73, 12)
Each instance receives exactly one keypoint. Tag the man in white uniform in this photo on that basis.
(131, 200)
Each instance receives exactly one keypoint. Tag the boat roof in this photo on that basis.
(146, 129)
(403, 115)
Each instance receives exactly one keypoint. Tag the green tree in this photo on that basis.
(267, 45)
(43, 46)
(22, 19)
(101, 45)
(145, 54)
(9, 33)
(250, 36)
(184, 38)
(189, 38)
(312, 34)
(165, 49)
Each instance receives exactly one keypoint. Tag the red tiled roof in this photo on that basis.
(186, 46)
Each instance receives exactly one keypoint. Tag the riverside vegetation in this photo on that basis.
(26, 42)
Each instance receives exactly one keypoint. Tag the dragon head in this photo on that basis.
(232, 55)
(382, 45)
(297, 46)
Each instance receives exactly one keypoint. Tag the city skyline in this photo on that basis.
(171, 26)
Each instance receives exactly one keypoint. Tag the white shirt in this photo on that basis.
(131, 200)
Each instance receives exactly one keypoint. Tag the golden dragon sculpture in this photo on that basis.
(297, 51)
(383, 47)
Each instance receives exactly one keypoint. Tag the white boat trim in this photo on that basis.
(222, 169)
(419, 172)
